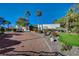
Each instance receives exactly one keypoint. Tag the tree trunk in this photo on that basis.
(67, 25)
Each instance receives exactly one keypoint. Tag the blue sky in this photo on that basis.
(50, 11)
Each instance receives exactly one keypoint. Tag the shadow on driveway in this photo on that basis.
(4, 42)
(7, 43)
(6, 50)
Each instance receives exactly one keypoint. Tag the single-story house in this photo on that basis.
(48, 26)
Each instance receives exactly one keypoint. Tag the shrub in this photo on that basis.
(47, 32)
(14, 30)
(66, 47)
(55, 34)
(2, 29)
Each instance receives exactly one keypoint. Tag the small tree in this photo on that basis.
(21, 22)
(6, 22)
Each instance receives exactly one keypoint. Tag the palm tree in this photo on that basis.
(38, 14)
(27, 14)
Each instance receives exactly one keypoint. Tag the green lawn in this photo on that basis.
(69, 39)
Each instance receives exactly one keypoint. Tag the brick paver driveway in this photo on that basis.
(31, 42)
(27, 41)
